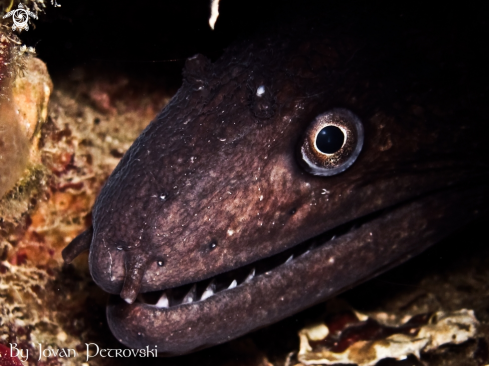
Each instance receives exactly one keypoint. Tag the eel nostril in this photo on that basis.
(135, 267)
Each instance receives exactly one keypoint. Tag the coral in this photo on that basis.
(24, 109)
(42, 301)
(13, 142)
(368, 341)
(30, 94)
(14, 148)
(29, 314)
(25, 87)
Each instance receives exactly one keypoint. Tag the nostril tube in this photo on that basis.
(135, 267)
(79, 244)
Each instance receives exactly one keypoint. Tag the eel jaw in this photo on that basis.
(178, 322)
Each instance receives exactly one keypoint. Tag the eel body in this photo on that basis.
(229, 212)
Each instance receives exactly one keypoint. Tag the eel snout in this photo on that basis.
(199, 315)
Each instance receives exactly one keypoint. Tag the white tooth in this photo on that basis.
(233, 284)
(209, 291)
(190, 296)
(250, 276)
(163, 302)
(290, 258)
(334, 236)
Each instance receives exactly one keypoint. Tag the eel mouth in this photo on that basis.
(197, 315)
(202, 290)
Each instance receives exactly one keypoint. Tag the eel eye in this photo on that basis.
(332, 142)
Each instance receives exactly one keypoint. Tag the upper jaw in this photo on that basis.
(365, 251)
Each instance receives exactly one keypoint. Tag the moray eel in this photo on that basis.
(304, 161)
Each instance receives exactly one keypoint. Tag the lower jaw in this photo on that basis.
(385, 240)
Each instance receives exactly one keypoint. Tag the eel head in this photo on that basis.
(287, 171)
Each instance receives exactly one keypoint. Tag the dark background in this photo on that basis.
(153, 38)
(142, 39)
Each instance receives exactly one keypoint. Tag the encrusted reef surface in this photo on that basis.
(89, 126)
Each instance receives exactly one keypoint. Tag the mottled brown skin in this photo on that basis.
(219, 165)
